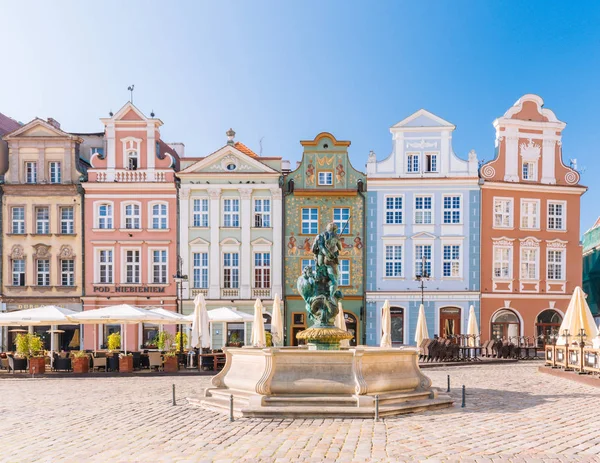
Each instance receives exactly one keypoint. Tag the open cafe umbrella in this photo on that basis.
(277, 322)
(38, 316)
(578, 317)
(472, 328)
(258, 326)
(340, 323)
(421, 332)
(386, 326)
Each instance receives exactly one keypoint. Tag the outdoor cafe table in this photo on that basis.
(215, 356)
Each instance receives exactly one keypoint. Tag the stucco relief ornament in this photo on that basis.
(472, 155)
(488, 171)
(17, 252)
(530, 242)
(372, 156)
(571, 177)
(422, 144)
(214, 193)
(42, 250)
(502, 241)
(66, 252)
(530, 151)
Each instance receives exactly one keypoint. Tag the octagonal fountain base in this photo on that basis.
(296, 382)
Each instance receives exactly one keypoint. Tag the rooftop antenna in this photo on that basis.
(130, 88)
(260, 146)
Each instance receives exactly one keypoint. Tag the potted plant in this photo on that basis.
(177, 343)
(234, 340)
(126, 363)
(114, 341)
(170, 363)
(30, 346)
(81, 362)
(163, 341)
(269, 339)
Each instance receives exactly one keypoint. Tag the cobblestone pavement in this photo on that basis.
(513, 413)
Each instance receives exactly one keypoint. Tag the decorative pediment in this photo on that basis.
(17, 252)
(530, 242)
(261, 242)
(39, 128)
(229, 160)
(423, 118)
(530, 151)
(423, 236)
(199, 242)
(503, 241)
(66, 252)
(556, 244)
(230, 242)
(41, 251)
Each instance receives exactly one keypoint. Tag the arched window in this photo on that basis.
(547, 323)
(505, 325)
(132, 216)
(397, 316)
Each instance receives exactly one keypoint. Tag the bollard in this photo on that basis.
(448, 390)
(33, 372)
(377, 407)
(463, 397)
(174, 403)
(231, 407)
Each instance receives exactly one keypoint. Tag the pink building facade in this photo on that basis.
(130, 224)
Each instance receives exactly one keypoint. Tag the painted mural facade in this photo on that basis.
(324, 188)
(423, 202)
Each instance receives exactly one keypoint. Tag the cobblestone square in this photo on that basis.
(513, 413)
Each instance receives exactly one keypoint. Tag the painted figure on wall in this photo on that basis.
(292, 248)
(358, 245)
(310, 174)
(340, 173)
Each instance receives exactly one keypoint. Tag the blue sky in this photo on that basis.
(285, 71)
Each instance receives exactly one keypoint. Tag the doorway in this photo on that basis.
(547, 323)
(450, 322)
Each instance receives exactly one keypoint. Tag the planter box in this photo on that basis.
(126, 364)
(81, 364)
(170, 364)
(39, 363)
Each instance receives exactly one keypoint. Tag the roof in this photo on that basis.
(7, 124)
(244, 149)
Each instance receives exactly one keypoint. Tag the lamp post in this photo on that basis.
(566, 335)
(553, 338)
(179, 278)
(582, 336)
(422, 277)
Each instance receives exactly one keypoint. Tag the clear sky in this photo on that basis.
(286, 70)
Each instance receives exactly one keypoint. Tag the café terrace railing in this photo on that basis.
(574, 355)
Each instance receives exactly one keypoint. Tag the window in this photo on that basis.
(502, 267)
(344, 272)
(393, 210)
(262, 270)
(325, 178)
(556, 215)
(18, 220)
(412, 163)
(105, 216)
(43, 272)
(42, 220)
(67, 272)
(200, 270)
(556, 264)
(132, 160)
(451, 263)
(18, 272)
(67, 224)
(132, 216)
(231, 215)
(422, 209)
(231, 261)
(529, 213)
(31, 172)
(54, 172)
(159, 216)
(262, 213)
(529, 264)
(132, 266)
(200, 212)
(502, 212)
(393, 261)
(340, 218)
(423, 251)
(529, 170)
(307, 263)
(430, 162)
(310, 221)
(451, 209)
(105, 258)
(159, 266)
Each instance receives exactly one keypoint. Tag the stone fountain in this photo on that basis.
(320, 379)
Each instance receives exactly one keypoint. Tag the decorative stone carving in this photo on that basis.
(372, 156)
(185, 193)
(17, 252)
(571, 177)
(530, 242)
(488, 171)
(214, 193)
(472, 155)
(41, 251)
(422, 144)
(245, 193)
(556, 244)
(503, 241)
(228, 160)
(530, 151)
(66, 252)
(276, 193)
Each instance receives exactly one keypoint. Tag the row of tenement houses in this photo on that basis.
(119, 216)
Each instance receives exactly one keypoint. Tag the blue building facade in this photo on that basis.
(423, 213)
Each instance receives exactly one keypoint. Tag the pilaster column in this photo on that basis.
(150, 146)
(41, 165)
(214, 264)
(245, 258)
(548, 161)
(111, 152)
(67, 174)
(511, 158)
(277, 255)
(184, 247)
(400, 159)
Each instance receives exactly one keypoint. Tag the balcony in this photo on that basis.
(131, 176)
(195, 291)
(230, 293)
(261, 293)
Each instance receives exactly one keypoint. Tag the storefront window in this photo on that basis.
(397, 315)
(547, 323)
(235, 333)
(505, 325)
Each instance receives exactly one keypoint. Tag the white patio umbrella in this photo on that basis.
(577, 317)
(472, 328)
(277, 322)
(340, 323)
(258, 326)
(123, 314)
(386, 326)
(200, 332)
(421, 332)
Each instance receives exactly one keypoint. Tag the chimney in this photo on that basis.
(230, 137)
(54, 123)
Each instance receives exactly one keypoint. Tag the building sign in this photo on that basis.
(69, 305)
(129, 289)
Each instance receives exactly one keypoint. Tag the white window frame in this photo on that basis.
(232, 214)
(109, 218)
(327, 179)
(423, 212)
(68, 274)
(340, 223)
(344, 272)
(42, 226)
(563, 263)
(456, 263)
(42, 277)
(19, 222)
(509, 215)
(435, 156)
(390, 257)
(134, 265)
(234, 276)
(16, 273)
(501, 262)
(525, 275)
(109, 266)
(200, 215)
(529, 218)
(163, 219)
(131, 145)
(68, 224)
(410, 162)
(136, 218)
(531, 171)
(163, 266)
(452, 210)
(419, 260)
(554, 216)
(31, 172)
(310, 221)
(258, 264)
(262, 212)
(391, 214)
(201, 268)
(55, 172)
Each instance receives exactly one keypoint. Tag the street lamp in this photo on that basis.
(422, 277)
(179, 279)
